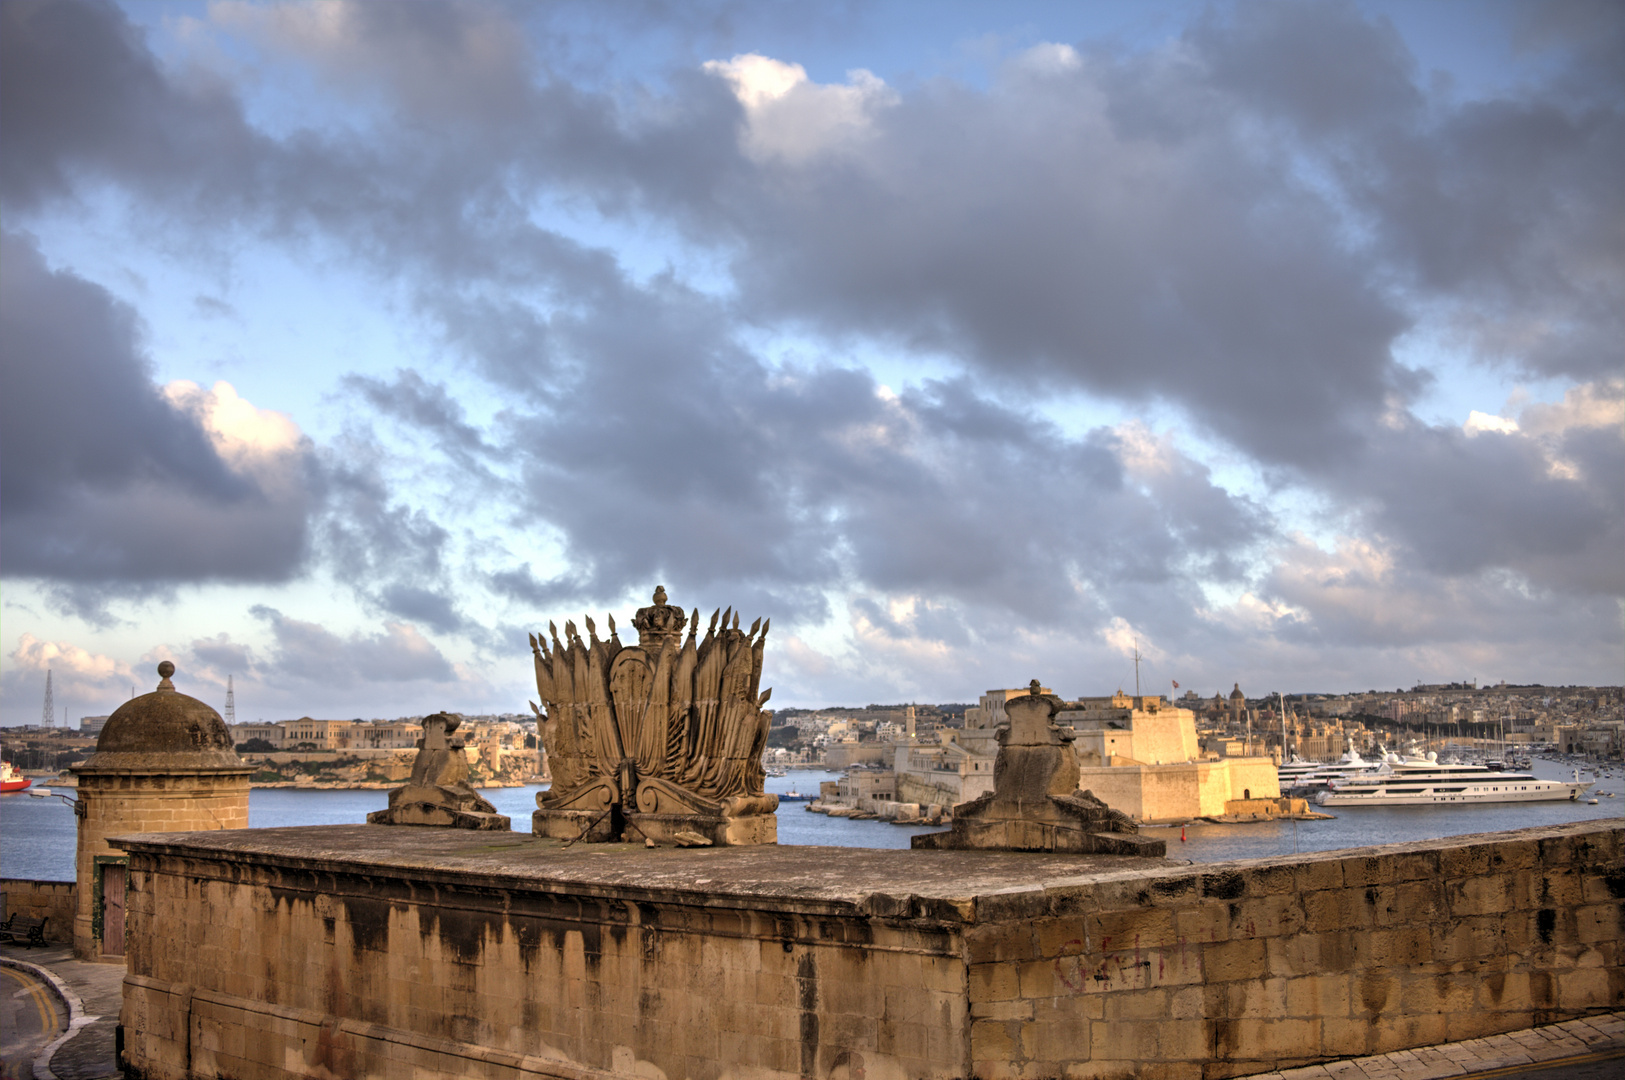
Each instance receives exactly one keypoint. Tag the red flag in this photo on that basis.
(1176, 684)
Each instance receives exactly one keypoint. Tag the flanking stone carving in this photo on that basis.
(1035, 804)
(438, 792)
(657, 739)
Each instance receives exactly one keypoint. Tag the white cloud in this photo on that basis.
(793, 119)
(260, 442)
(1478, 423)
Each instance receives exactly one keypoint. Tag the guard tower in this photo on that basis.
(163, 763)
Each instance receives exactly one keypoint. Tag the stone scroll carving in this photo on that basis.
(659, 741)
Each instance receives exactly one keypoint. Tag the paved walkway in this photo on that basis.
(89, 996)
(1576, 1049)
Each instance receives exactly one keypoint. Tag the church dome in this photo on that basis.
(1237, 695)
(164, 731)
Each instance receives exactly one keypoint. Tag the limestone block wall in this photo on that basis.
(323, 963)
(257, 972)
(1251, 778)
(1182, 791)
(126, 802)
(53, 901)
(1248, 967)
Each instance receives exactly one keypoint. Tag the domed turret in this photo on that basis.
(164, 763)
(165, 730)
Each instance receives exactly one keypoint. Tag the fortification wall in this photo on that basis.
(454, 956)
(53, 901)
(1247, 967)
(1179, 792)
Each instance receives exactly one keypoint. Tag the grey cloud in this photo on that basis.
(105, 481)
(310, 653)
(391, 554)
(1186, 266)
(1135, 226)
(430, 408)
(222, 653)
(1506, 208)
(1461, 506)
(81, 95)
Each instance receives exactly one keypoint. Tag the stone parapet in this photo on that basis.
(371, 951)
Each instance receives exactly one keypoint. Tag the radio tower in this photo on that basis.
(231, 702)
(50, 706)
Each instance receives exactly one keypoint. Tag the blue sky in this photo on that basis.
(346, 343)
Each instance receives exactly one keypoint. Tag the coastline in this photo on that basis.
(326, 785)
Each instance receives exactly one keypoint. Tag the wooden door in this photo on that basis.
(113, 910)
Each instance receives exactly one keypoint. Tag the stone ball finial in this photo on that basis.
(165, 670)
(660, 594)
(1035, 688)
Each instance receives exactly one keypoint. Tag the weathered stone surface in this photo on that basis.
(359, 950)
(1035, 804)
(438, 792)
(640, 736)
(163, 763)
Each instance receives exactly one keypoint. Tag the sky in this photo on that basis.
(345, 344)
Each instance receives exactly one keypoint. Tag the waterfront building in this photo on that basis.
(1140, 755)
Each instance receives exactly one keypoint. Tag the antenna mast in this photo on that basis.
(231, 702)
(1137, 659)
(50, 705)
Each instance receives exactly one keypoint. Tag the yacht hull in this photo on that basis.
(1539, 791)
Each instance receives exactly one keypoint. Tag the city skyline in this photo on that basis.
(347, 344)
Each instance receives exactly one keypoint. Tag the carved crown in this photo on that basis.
(660, 622)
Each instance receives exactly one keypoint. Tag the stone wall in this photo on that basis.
(132, 801)
(1247, 967)
(1180, 792)
(924, 789)
(367, 951)
(52, 901)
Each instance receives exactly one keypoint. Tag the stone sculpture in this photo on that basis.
(438, 792)
(656, 742)
(1035, 804)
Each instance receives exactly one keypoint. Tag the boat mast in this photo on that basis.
(1282, 700)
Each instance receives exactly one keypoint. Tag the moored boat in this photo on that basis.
(1418, 784)
(10, 779)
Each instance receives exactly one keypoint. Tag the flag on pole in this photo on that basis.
(1176, 684)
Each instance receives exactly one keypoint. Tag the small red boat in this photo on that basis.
(11, 780)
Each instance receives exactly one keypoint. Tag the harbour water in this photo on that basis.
(37, 836)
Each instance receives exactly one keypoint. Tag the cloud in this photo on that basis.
(113, 482)
(308, 653)
(82, 96)
(1234, 229)
(790, 118)
(82, 679)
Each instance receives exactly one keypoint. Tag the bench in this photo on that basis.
(23, 930)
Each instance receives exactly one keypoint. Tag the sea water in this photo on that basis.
(37, 835)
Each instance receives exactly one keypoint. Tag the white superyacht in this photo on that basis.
(1429, 781)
